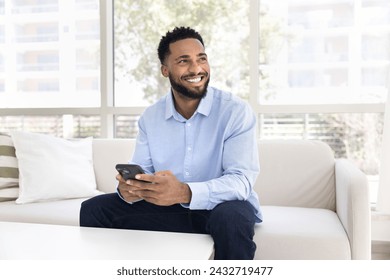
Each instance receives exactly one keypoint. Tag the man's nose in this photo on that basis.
(195, 67)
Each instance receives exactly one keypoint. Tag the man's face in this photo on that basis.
(187, 68)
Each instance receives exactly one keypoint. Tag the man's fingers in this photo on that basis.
(146, 177)
(119, 177)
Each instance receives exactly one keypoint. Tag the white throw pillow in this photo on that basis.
(52, 168)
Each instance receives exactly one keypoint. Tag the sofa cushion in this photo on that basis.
(52, 168)
(300, 233)
(106, 154)
(62, 212)
(296, 173)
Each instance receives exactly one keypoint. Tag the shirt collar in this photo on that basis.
(204, 107)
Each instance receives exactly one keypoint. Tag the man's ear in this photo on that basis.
(164, 71)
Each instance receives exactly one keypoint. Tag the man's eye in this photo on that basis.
(182, 61)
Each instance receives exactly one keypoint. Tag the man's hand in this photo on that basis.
(164, 189)
(126, 190)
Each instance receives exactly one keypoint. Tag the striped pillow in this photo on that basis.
(9, 173)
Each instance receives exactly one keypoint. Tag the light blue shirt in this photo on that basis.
(214, 152)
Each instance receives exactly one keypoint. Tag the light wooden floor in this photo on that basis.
(380, 250)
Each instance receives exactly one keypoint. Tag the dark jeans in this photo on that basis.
(231, 224)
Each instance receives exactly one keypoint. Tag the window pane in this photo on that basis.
(139, 25)
(68, 126)
(324, 52)
(49, 53)
(126, 126)
(376, 12)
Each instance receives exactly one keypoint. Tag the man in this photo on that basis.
(198, 147)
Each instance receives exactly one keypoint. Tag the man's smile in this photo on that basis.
(194, 80)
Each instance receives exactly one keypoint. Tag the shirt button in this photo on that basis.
(189, 148)
(188, 124)
(187, 173)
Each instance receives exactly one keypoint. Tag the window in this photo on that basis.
(322, 53)
(139, 25)
(50, 54)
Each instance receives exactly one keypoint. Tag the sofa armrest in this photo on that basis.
(353, 207)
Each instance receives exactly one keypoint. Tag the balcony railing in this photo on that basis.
(39, 67)
(28, 9)
(49, 37)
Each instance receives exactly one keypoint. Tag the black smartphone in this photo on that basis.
(128, 171)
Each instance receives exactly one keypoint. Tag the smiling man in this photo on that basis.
(197, 146)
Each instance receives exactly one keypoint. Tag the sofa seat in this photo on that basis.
(61, 212)
(314, 233)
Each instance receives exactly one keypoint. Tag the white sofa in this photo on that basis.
(314, 207)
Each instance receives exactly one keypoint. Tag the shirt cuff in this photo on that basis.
(200, 198)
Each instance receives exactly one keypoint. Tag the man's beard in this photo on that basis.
(188, 92)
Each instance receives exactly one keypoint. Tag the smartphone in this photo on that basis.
(128, 171)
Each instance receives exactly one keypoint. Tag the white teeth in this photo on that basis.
(196, 80)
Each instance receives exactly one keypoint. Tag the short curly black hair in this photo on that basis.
(177, 34)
